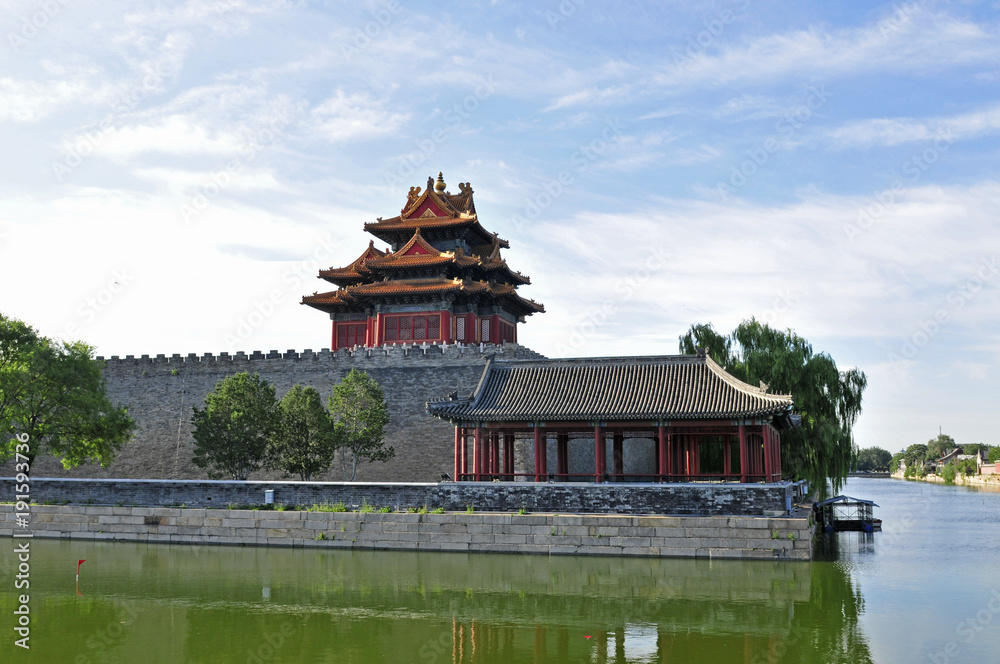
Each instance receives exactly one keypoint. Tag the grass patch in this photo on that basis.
(327, 507)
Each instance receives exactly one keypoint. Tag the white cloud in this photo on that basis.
(353, 117)
(893, 131)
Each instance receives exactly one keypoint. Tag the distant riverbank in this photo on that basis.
(987, 482)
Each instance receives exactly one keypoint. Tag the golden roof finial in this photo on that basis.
(439, 187)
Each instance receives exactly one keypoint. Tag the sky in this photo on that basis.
(173, 175)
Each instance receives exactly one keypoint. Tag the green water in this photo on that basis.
(899, 597)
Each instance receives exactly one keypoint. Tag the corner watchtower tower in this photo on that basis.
(440, 280)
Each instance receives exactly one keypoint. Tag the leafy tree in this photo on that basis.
(304, 441)
(915, 455)
(939, 446)
(873, 459)
(948, 473)
(828, 400)
(231, 432)
(360, 415)
(973, 448)
(56, 394)
(994, 454)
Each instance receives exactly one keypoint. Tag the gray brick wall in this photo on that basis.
(673, 499)
(160, 392)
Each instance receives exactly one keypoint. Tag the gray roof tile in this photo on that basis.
(621, 388)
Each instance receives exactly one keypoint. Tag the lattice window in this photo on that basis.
(484, 330)
(391, 328)
(419, 327)
(433, 327)
(405, 328)
(460, 329)
(341, 336)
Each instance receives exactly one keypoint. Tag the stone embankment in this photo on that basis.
(763, 538)
(990, 482)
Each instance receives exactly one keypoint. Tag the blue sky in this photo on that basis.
(174, 174)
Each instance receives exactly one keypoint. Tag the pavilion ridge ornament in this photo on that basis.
(441, 280)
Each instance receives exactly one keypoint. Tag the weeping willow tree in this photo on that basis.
(828, 400)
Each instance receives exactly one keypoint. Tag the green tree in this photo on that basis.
(56, 394)
(304, 441)
(994, 454)
(358, 408)
(873, 459)
(915, 456)
(973, 448)
(231, 432)
(829, 400)
(939, 446)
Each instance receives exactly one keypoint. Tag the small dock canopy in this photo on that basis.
(846, 513)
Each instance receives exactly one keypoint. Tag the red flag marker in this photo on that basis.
(79, 562)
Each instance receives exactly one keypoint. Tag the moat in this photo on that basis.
(923, 590)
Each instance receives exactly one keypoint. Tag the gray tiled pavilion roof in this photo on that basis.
(670, 387)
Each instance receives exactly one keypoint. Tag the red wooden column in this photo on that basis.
(484, 443)
(671, 454)
(495, 454)
(744, 460)
(662, 464)
(696, 455)
(618, 456)
(777, 453)
(477, 454)
(765, 434)
(599, 453)
(458, 454)
(465, 451)
(508, 455)
(538, 453)
(543, 456)
(562, 455)
(727, 453)
(686, 447)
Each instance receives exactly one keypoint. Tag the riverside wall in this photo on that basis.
(762, 538)
(701, 499)
(160, 392)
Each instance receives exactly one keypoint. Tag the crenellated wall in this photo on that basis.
(160, 392)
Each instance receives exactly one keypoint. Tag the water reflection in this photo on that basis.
(219, 604)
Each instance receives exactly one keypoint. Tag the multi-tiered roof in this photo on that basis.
(440, 262)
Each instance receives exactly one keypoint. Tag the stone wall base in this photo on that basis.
(762, 538)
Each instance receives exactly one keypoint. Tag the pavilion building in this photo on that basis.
(697, 421)
(441, 280)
